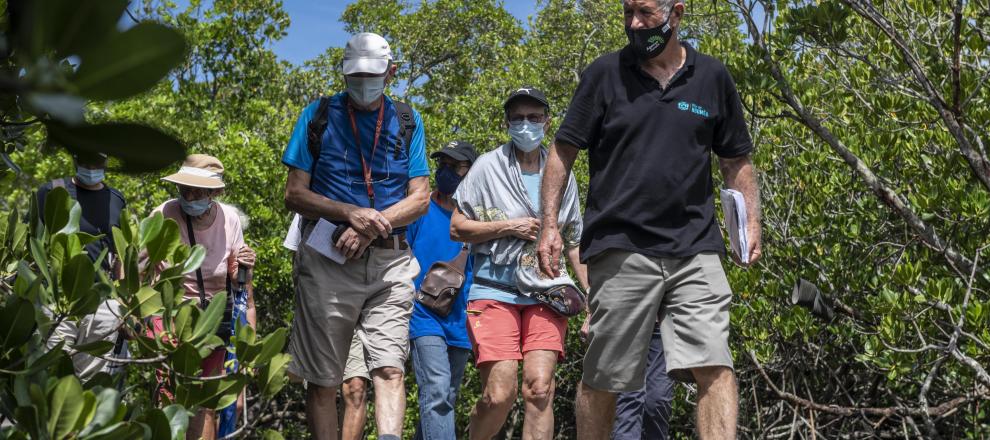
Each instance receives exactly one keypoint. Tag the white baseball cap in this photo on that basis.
(366, 53)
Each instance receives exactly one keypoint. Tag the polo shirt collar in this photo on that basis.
(628, 58)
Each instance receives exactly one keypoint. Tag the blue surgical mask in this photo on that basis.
(89, 177)
(526, 135)
(447, 180)
(365, 90)
(195, 208)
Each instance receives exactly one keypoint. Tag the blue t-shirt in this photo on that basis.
(430, 240)
(339, 175)
(505, 274)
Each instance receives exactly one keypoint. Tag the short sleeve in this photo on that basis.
(418, 165)
(731, 135)
(297, 152)
(582, 124)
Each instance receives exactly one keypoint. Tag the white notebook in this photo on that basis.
(320, 239)
(734, 208)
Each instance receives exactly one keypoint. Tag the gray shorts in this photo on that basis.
(370, 297)
(629, 291)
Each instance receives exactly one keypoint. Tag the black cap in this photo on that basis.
(458, 150)
(529, 92)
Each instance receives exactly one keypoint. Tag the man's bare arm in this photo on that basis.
(413, 206)
(558, 169)
(555, 175)
(299, 198)
(580, 269)
(740, 175)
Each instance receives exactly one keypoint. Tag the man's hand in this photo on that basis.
(525, 228)
(548, 251)
(369, 222)
(352, 243)
(755, 243)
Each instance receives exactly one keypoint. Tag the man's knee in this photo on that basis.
(322, 395)
(716, 376)
(538, 388)
(388, 374)
(355, 389)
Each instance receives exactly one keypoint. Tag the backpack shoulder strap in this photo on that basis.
(117, 205)
(408, 123)
(314, 132)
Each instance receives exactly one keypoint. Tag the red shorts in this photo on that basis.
(501, 331)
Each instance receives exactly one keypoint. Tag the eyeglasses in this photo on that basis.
(536, 118)
(456, 166)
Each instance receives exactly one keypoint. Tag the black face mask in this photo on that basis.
(650, 42)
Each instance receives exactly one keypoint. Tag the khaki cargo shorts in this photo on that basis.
(629, 291)
(370, 298)
(357, 365)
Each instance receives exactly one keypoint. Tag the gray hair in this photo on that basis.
(664, 4)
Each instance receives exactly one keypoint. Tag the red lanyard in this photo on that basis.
(357, 142)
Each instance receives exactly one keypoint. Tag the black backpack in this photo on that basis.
(314, 132)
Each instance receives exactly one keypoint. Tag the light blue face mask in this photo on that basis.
(526, 135)
(89, 177)
(365, 90)
(195, 208)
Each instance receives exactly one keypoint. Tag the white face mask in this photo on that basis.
(526, 135)
(87, 176)
(365, 90)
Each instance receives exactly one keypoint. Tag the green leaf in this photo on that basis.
(88, 22)
(271, 434)
(149, 301)
(48, 359)
(58, 210)
(186, 360)
(271, 345)
(178, 420)
(66, 404)
(139, 147)
(271, 376)
(162, 244)
(40, 258)
(119, 241)
(95, 348)
(195, 259)
(16, 322)
(77, 277)
(211, 394)
(129, 62)
(209, 320)
(159, 424)
(149, 228)
(118, 431)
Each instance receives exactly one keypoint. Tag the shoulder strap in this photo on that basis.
(315, 129)
(408, 123)
(461, 260)
(199, 272)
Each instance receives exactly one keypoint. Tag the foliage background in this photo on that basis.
(832, 100)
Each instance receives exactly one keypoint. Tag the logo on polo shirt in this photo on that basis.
(694, 108)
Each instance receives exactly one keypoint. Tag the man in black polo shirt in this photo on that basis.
(650, 116)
